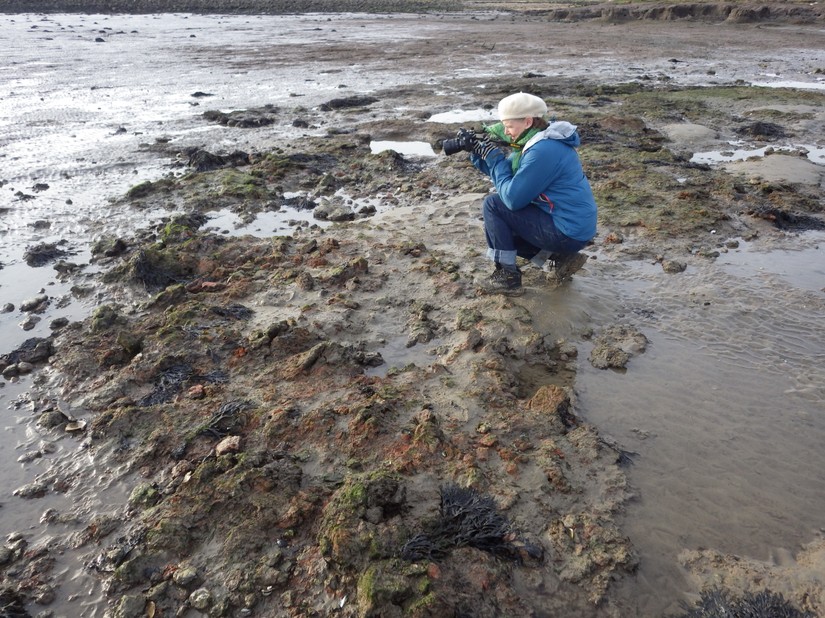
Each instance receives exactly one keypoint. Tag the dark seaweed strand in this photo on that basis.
(234, 310)
(168, 384)
(717, 603)
(226, 419)
(467, 519)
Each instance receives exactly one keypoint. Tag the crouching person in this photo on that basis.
(543, 207)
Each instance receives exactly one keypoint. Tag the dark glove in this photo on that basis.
(484, 147)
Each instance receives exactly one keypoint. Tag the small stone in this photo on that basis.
(200, 599)
(130, 605)
(29, 456)
(144, 494)
(196, 392)
(181, 468)
(58, 323)
(488, 440)
(51, 419)
(673, 266)
(230, 444)
(305, 281)
(32, 490)
(30, 322)
(185, 576)
(36, 303)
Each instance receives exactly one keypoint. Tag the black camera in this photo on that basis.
(464, 140)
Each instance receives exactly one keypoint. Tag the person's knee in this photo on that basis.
(490, 204)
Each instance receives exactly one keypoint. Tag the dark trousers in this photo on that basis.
(522, 233)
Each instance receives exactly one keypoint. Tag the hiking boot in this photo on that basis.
(503, 280)
(566, 265)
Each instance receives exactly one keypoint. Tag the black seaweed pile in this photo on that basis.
(717, 603)
(467, 519)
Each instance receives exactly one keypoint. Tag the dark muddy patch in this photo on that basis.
(42, 254)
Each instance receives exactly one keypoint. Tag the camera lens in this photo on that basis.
(464, 140)
(452, 146)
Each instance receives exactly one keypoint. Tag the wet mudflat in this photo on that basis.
(326, 382)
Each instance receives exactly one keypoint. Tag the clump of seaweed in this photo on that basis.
(227, 419)
(233, 310)
(171, 381)
(154, 271)
(716, 603)
(203, 161)
(168, 384)
(468, 519)
(784, 220)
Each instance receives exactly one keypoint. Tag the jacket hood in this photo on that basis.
(560, 130)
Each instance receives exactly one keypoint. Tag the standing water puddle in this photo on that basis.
(724, 409)
(814, 154)
(398, 354)
(92, 488)
(416, 149)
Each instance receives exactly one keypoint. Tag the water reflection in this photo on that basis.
(458, 115)
(816, 154)
(417, 149)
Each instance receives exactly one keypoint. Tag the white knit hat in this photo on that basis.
(521, 105)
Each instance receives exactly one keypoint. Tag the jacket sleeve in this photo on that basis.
(536, 172)
(481, 165)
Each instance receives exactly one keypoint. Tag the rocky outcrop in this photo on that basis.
(734, 12)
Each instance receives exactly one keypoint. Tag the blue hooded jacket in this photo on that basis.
(549, 175)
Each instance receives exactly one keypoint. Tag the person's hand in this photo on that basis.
(484, 147)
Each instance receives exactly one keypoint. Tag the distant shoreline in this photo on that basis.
(773, 11)
(264, 7)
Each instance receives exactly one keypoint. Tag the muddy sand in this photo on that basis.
(338, 421)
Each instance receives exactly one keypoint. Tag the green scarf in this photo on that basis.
(497, 131)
